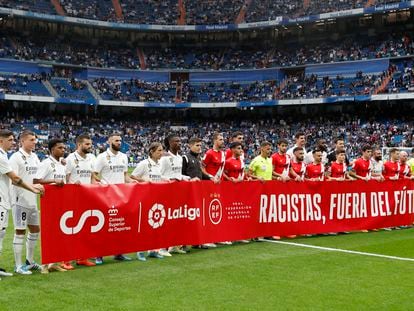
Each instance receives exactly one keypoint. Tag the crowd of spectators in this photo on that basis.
(108, 55)
(197, 11)
(389, 128)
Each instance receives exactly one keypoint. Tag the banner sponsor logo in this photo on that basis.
(87, 214)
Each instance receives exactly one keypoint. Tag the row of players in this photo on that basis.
(28, 175)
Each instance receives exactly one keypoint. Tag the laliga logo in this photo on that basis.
(215, 211)
(156, 215)
(86, 214)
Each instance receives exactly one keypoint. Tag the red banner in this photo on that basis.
(83, 221)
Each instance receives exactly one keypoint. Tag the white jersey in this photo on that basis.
(50, 168)
(171, 166)
(377, 167)
(149, 170)
(25, 166)
(289, 152)
(5, 182)
(112, 167)
(80, 168)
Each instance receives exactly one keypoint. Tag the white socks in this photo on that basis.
(30, 245)
(18, 248)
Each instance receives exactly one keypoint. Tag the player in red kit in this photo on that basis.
(281, 161)
(338, 169)
(392, 166)
(405, 171)
(234, 166)
(214, 159)
(362, 167)
(297, 166)
(236, 137)
(315, 171)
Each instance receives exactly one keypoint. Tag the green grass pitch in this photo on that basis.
(256, 276)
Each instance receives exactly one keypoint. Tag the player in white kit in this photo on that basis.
(52, 171)
(112, 166)
(25, 163)
(80, 170)
(7, 178)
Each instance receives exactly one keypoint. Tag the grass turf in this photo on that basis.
(263, 276)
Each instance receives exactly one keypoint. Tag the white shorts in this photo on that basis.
(23, 216)
(4, 217)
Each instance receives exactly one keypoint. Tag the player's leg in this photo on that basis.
(33, 224)
(20, 216)
(4, 220)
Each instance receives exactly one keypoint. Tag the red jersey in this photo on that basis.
(391, 170)
(315, 171)
(281, 163)
(234, 168)
(299, 168)
(337, 170)
(229, 154)
(404, 171)
(362, 167)
(213, 162)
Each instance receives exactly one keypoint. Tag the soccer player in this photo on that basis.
(320, 145)
(172, 162)
(315, 171)
(392, 166)
(149, 170)
(214, 159)
(339, 145)
(300, 141)
(52, 171)
(377, 165)
(405, 172)
(80, 170)
(281, 161)
(7, 178)
(234, 166)
(338, 169)
(25, 163)
(236, 137)
(112, 166)
(261, 167)
(362, 167)
(171, 169)
(192, 160)
(410, 162)
(192, 168)
(297, 166)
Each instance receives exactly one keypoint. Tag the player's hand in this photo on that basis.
(59, 182)
(195, 179)
(77, 182)
(38, 189)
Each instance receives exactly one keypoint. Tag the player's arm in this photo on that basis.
(18, 181)
(42, 173)
(252, 171)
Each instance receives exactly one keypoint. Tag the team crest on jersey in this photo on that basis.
(52, 165)
(172, 161)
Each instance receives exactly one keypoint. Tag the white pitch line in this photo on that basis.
(340, 250)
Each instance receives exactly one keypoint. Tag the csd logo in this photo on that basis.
(86, 214)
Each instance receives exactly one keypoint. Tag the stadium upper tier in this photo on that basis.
(112, 54)
(347, 81)
(190, 12)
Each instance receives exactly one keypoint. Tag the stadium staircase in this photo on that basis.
(242, 14)
(280, 88)
(370, 3)
(118, 10)
(58, 7)
(141, 56)
(384, 83)
(50, 88)
(182, 13)
(179, 93)
(92, 90)
(268, 57)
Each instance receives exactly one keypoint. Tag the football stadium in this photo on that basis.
(206, 155)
